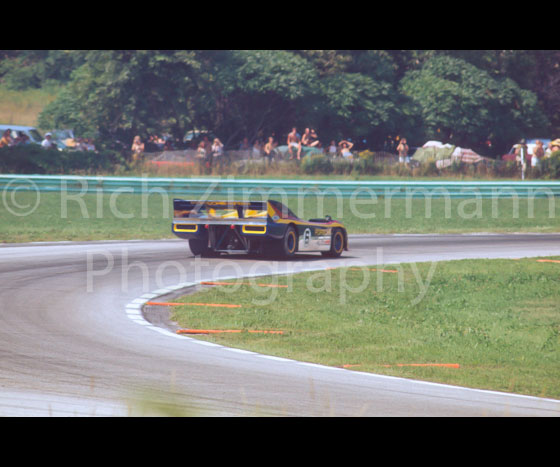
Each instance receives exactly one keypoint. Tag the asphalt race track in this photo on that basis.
(68, 347)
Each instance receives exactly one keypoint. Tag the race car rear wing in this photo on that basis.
(220, 212)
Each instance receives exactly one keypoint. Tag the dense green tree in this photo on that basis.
(121, 93)
(352, 105)
(257, 92)
(327, 62)
(546, 85)
(533, 70)
(462, 104)
(25, 69)
(341, 93)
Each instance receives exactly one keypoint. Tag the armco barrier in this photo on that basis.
(227, 187)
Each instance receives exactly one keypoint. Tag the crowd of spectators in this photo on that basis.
(295, 147)
(210, 151)
(48, 142)
(537, 153)
(309, 139)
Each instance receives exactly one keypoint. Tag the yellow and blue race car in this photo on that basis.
(257, 227)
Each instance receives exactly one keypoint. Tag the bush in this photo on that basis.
(317, 164)
(429, 169)
(492, 167)
(367, 167)
(342, 166)
(551, 165)
(366, 155)
(324, 165)
(34, 159)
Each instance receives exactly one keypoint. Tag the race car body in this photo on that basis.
(261, 227)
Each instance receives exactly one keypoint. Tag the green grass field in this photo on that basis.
(499, 320)
(23, 107)
(27, 216)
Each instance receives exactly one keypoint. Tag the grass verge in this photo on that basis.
(28, 216)
(23, 107)
(498, 319)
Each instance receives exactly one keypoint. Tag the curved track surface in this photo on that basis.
(68, 347)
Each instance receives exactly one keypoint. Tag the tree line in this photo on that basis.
(483, 99)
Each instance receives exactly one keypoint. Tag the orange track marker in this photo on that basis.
(446, 365)
(241, 283)
(226, 305)
(548, 261)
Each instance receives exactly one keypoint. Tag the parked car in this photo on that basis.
(64, 139)
(33, 135)
(193, 137)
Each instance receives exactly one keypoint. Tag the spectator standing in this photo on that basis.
(521, 151)
(217, 153)
(402, 149)
(207, 144)
(201, 155)
(201, 151)
(48, 143)
(538, 153)
(269, 150)
(521, 156)
(137, 148)
(332, 149)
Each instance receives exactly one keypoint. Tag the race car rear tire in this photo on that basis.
(337, 244)
(288, 245)
(199, 247)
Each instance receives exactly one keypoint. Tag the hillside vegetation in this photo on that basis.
(482, 99)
